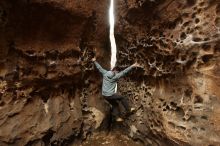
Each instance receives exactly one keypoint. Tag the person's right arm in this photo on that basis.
(98, 66)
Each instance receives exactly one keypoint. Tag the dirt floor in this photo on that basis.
(111, 139)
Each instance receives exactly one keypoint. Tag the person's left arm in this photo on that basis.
(125, 71)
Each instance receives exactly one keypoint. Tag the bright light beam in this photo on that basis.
(112, 37)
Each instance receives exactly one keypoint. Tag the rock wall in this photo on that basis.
(48, 96)
(176, 92)
(50, 91)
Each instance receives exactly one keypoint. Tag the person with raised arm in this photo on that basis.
(109, 85)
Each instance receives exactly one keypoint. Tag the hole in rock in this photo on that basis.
(167, 107)
(188, 92)
(186, 23)
(218, 9)
(189, 136)
(2, 103)
(185, 15)
(173, 24)
(199, 10)
(193, 119)
(173, 104)
(198, 99)
(191, 3)
(217, 47)
(179, 112)
(206, 39)
(45, 96)
(194, 15)
(202, 4)
(217, 22)
(171, 124)
(197, 20)
(181, 128)
(194, 129)
(204, 117)
(197, 39)
(46, 138)
(207, 58)
(183, 36)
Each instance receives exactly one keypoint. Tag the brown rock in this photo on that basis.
(50, 93)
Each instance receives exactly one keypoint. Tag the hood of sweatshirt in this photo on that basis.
(110, 74)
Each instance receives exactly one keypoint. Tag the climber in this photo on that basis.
(109, 84)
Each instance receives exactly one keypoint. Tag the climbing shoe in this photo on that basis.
(132, 110)
(119, 119)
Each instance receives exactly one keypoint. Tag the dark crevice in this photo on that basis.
(46, 138)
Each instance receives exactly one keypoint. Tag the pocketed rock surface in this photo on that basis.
(50, 92)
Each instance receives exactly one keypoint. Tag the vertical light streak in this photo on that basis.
(112, 37)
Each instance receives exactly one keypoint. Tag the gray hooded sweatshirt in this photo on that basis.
(110, 79)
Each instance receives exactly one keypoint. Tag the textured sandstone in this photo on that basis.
(50, 94)
(177, 92)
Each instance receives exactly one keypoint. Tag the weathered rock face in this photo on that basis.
(47, 96)
(177, 91)
(50, 93)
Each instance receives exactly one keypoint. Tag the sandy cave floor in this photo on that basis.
(113, 138)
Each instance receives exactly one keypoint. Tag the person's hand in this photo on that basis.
(93, 59)
(136, 65)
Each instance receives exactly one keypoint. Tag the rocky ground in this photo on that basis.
(111, 139)
(50, 91)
